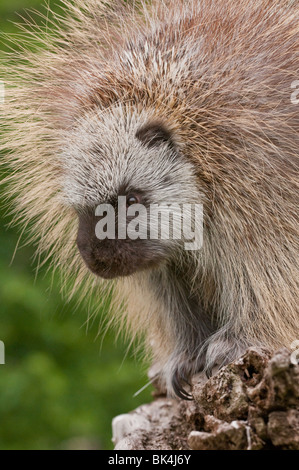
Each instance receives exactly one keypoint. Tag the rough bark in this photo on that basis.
(250, 404)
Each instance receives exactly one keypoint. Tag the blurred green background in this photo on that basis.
(61, 384)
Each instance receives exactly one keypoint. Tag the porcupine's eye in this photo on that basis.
(132, 199)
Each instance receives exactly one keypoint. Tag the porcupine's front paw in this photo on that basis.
(219, 351)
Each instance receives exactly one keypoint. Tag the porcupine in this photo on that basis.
(175, 102)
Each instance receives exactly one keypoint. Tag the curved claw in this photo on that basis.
(176, 382)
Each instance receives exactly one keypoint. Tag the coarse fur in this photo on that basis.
(187, 101)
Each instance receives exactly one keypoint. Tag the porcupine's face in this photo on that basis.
(121, 160)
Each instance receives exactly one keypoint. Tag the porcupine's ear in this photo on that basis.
(153, 134)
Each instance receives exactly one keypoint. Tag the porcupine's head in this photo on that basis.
(82, 134)
(121, 158)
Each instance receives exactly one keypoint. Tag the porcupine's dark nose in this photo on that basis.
(98, 255)
(107, 258)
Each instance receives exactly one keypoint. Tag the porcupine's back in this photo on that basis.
(220, 74)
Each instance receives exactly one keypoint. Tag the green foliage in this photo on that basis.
(61, 380)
